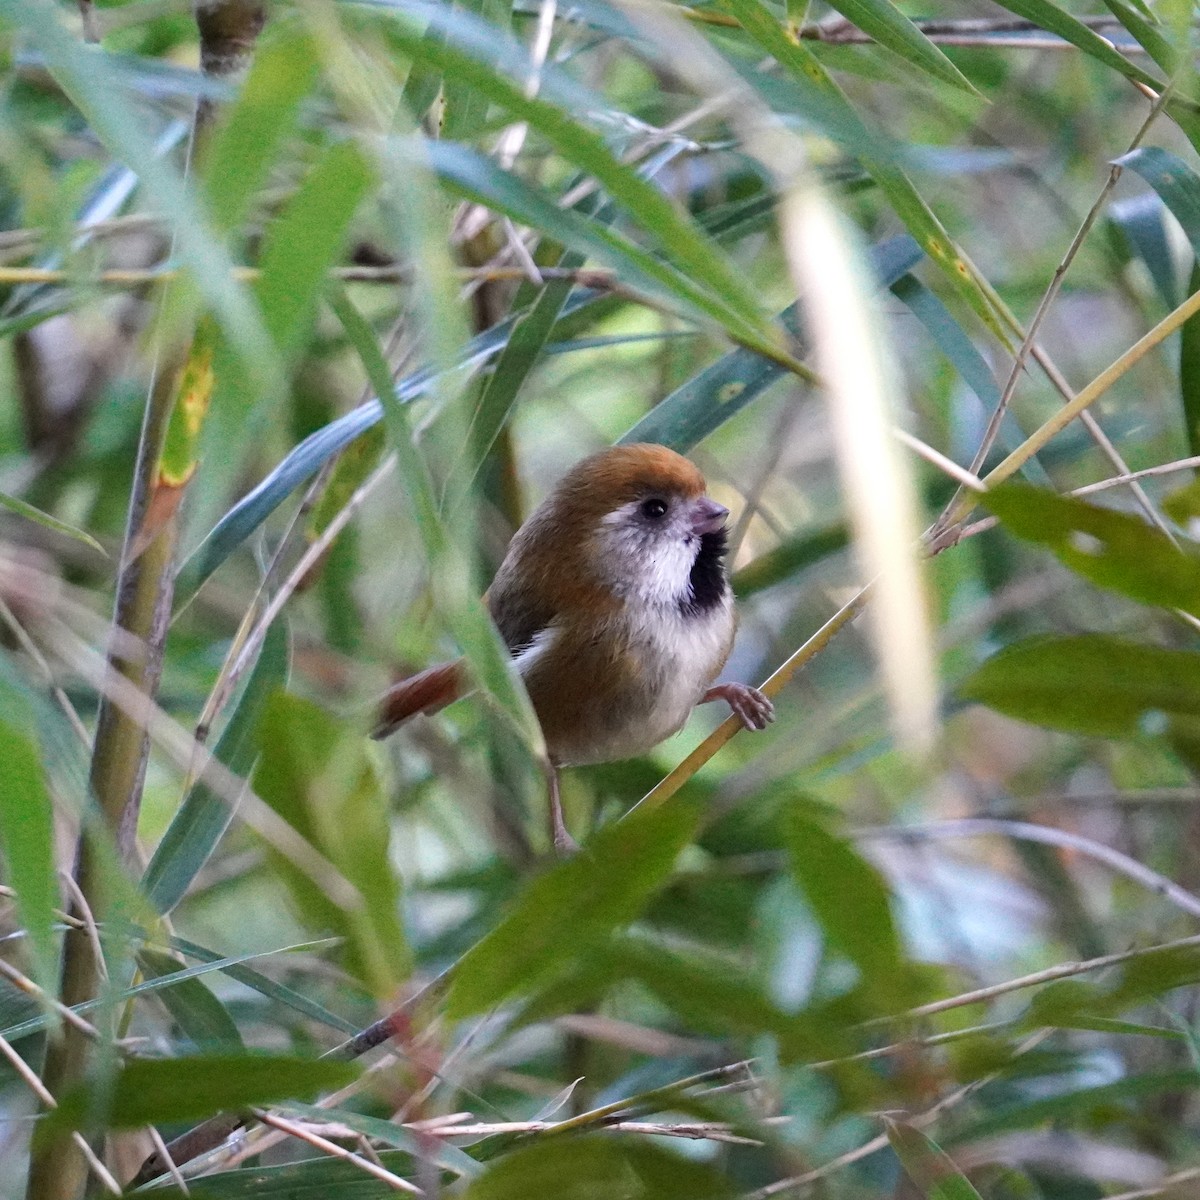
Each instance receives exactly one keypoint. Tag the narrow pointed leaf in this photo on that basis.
(896, 186)
(204, 816)
(15, 505)
(706, 401)
(891, 28)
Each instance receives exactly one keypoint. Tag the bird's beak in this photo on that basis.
(708, 516)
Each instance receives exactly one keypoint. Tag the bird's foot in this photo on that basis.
(750, 706)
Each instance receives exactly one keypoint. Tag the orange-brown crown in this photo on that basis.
(613, 477)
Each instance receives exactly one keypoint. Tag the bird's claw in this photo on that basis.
(750, 706)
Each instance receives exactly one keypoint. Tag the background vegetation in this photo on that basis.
(305, 306)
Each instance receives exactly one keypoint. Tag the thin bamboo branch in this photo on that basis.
(304, 1133)
(1029, 340)
(728, 729)
(1048, 836)
(590, 277)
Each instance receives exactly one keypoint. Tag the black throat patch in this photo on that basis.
(706, 580)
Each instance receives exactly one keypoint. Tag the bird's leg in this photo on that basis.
(564, 843)
(750, 706)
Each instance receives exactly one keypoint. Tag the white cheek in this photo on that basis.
(654, 569)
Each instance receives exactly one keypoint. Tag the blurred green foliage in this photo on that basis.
(435, 254)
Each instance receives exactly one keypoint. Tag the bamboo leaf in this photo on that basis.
(1175, 182)
(705, 402)
(1047, 15)
(235, 967)
(1112, 549)
(27, 839)
(303, 242)
(148, 1091)
(308, 456)
(479, 55)
(573, 907)
(316, 774)
(932, 1170)
(1089, 684)
(918, 217)
(1189, 369)
(478, 178)
(15, 505)
(203, 1019)
(891, 28)
(252, 131)
(204, 816)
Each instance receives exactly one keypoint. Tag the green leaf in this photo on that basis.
(316, 774)
(233, 967)
(158, 1091)
(1178, 186)
(1047, 15)
(707, 400)
(1175, 182)
(478, 178)
(927, 1164)
(588, 1167)
(1189, 370)
(48, 522)
(204, 816)
(918, 217)
(303, 242)
(27, 838)
(480, 56)
(1148, 35)
(88, 80)
(1091, 684)
(1111, 549)
(438, 1150)
(891, 28)
(1073, 1107)
(450, 575)
(252, 132)
(307, 458)
(789, 558)
(258, 982)
(1140, 221)
(198, 1013)
(573, 907)
(852, 904)
(525, 345)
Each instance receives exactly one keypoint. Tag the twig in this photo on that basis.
(1027, 343)
(1162, 1188)
(590, 277)
(1028, 832)
(727, 730)
(1049, 975)
(304, 1134)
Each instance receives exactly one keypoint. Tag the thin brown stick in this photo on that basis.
(1051, 293)
(1046, 835)
(1163, 1187)
(304, 1134)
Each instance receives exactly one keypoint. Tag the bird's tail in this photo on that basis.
(427, 692)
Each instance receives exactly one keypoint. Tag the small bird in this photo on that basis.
(614, 601)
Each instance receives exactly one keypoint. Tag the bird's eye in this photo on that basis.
(654, 508)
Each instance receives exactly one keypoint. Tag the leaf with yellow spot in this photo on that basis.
(192, 396)
(181, 444)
